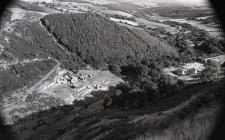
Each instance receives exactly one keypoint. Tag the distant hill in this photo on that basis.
(32, 7)
(47, 1)
(98, 41)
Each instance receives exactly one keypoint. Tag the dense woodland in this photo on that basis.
(36, 43)
(204, 44)
(98, 41)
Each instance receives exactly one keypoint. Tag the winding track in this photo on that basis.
(44, 78)
(22, 62)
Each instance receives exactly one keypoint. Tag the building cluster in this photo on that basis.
(186, 72)
(81, 84)
(189, 69)
(72, 78)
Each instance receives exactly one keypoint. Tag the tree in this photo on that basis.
(142, 70)
(167, 84)
(180, 42)
(181, 83)
(107, 101)
(114, 68)
(215, 66)
(212, 70)
(207, 75)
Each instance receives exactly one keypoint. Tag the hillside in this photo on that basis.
(116, 124)
(18, 75)
(98, 41)
(69, 72)
(6, 16)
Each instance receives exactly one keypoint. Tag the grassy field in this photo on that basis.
(197, 128)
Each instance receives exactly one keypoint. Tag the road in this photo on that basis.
(21, 62)
(31, 89)
(44, 78)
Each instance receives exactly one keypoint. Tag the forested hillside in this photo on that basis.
(30, 40)
(98, 41)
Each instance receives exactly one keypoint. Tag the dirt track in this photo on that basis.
(44, 78)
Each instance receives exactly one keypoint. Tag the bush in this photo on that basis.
(114, 68)
(207, 75)
(167, 85)
(181, 83)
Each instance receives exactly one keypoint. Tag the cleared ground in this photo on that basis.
(60, 85)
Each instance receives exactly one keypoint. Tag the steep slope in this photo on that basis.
(98, 41)
(114, 124)
(30, 40)
(18, 75)
(5, 17)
